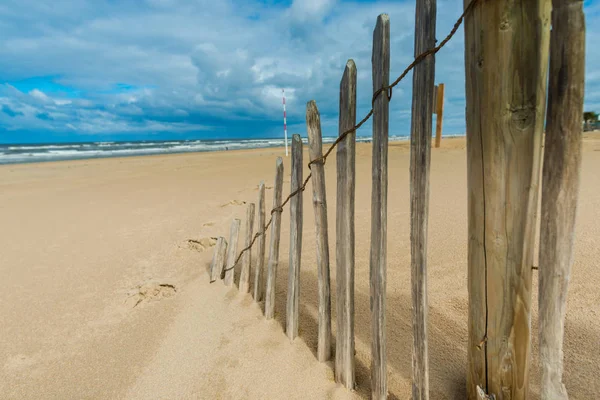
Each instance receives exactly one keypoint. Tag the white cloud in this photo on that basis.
(215, 63)
(39, 95)
(304, 9)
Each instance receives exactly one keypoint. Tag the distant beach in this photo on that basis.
(28, 153)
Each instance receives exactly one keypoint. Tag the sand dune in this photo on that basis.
(106, 292)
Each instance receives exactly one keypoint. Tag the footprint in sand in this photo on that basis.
(233, 203)
(149, 291)
(202, 244)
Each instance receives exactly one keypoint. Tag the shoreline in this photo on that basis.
(141, 152)
(588, 136)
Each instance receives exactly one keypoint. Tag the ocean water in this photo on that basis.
(28, 153)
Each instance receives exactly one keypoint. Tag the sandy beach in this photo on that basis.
(105, 297)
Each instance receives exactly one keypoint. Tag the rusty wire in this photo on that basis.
(343, 135)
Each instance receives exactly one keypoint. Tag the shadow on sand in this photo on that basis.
(447, 340)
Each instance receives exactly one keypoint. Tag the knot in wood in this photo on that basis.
(522, 117)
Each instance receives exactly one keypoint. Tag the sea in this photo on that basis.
(29, 153)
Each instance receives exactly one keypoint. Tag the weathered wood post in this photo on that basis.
(506, 56)
(439, 111)
(216, 268)
(315, 144)
(378, 256)
(293, 293)
(259, 284)
(420, 154)
(346, 174)
(560, 186)
(247, 257)
(275, 237)
(232, 252)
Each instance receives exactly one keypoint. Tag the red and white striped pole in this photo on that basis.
(284, 123)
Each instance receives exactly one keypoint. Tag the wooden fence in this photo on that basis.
(504, 150)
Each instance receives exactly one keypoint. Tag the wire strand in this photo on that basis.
(342, 136)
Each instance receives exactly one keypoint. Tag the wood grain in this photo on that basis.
(346, 190)
(439, 111)
(275, 239)
(259, 280)
(319, 200)
(293, 293)
(560, 187)
(506, 57)
(218, 262)
(378, 253)
(232, 252)
(247, 256)
(420, 154)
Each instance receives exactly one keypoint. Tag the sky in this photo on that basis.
(93, 70)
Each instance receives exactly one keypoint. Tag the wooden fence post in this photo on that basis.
(232, 252)
(260, 258)
(344, 246)
(420, 154)
(560, 187)
(439, 111)
(218, 262)
(504, 132)
(315, 144)
(378, 257)
(247, 257)
(293, 293)
(275, 237)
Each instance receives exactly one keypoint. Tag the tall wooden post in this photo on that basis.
(293, 293)
(247, 256)
(439, 111)
(232, 252)
(315, 145)
(378, 256)
(560, 186)
(259, 284)
(420, 154)
(275, 237)
(506, 56)
(346, 174)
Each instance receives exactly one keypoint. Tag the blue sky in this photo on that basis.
(87, 70)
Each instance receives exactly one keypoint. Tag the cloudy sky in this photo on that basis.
(87, 70)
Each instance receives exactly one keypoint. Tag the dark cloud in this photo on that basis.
(10, 112)
(44, 116)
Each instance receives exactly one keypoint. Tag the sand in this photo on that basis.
(104, 297)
